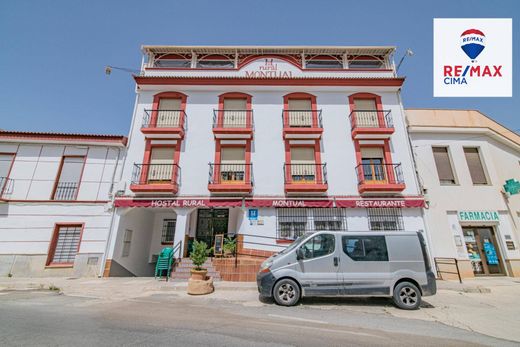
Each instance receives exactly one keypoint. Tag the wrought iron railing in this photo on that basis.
(233, 119)
(379, 173)
(230, 174)
(302, 119)
(6, 187)
(155, 174)
(305, 173)
(66, 191)
(371, 119)
(164, 119)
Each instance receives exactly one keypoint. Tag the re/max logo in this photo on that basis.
(457, 74)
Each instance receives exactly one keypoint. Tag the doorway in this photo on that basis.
(211, 222)
(483, 251)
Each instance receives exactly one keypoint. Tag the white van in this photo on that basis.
(330, 263)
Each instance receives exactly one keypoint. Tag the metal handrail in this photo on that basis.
(374, 173)
(302, 119)
(447, 261)
(255, 243)
(177, 247)
(155, 173)
(164, 119)
(66, 191)
(305, 173)
(371, 119)
(233, 119)
(230, 173)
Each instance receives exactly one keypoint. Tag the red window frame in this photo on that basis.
(169, 95)
(148, 157)
(235, 95)
(300, 96)
(369, 96)
(387, 156)
(57, 179)
(54, 240)
(317, 158)
(218, 154)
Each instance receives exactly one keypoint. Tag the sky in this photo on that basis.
(53, 53)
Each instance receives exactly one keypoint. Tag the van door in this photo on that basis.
(319, 266)
(364, 265)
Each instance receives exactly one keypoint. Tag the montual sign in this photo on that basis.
(478, 216)
(270, 68)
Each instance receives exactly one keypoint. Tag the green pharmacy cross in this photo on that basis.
(512, 186)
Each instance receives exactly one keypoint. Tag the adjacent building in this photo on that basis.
(464, 159)
(55, 202)
(263, 143)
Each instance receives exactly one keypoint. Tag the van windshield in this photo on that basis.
(295, 244)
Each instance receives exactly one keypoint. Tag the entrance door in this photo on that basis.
(211, 222)
(483, 251)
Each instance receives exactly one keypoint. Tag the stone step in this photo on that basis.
(188, 269)
(186, 276)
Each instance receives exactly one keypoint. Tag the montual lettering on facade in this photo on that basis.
(478, 216)
(288, 203)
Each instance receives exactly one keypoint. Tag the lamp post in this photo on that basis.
(408, 53)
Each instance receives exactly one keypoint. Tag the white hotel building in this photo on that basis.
(264, 143)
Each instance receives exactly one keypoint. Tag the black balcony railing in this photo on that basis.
(6, 187)
(230, 174)
(302, 119)
(373, 173)
(305, 173)
(164, 119)
(371, 119)
(155, 174)
(66, 191)
(233, 119)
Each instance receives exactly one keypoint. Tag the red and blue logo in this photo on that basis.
(473, 42)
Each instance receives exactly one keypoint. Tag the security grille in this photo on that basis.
(67, 244)
(168, 230)
(294, 222)
(385, 219)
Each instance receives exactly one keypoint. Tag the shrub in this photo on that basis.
(199, 254)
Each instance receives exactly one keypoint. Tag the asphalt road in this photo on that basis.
(43, 318)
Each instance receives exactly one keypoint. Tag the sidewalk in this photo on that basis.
(489, 306)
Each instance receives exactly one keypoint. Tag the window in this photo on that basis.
(294, 222)
(234, 113)
(232, 164)
(385, 219)
(169, 113)
(216, 63)
(300, 113)
(173, 63)
(366, 113)
(65, 244)
(6, 161)
(127, 242)
(476, 169)
(69, 178)
(160, 169)
(373, 164)
(318, 246)
(365, 248)
(443, 164)
(324, 64)
(168, 230)
(365, 64)
(303, 168)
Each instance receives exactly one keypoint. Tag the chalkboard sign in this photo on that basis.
(219, 244)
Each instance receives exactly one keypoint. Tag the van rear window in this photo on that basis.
(365, 248)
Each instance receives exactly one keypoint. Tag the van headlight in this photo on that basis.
(266, 265)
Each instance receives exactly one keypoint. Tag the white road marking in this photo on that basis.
(298, 319)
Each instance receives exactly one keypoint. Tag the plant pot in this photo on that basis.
(199, 275)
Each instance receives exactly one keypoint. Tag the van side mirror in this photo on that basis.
(299, 254)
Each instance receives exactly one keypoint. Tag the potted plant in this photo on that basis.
(199, 255)
(230, 245)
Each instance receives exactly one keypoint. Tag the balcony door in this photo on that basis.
(169, 113)
(232, 165)
(372, 159)
(6, 161)
(161, 165)
(235, 113)
(303, 165)
(300, 113)
(69, 178)
(366, 113)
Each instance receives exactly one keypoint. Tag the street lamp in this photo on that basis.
(408, 53)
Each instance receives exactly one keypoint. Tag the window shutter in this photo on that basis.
(372, 152)
(476, 170)
(169, 113)
(170, 104)
(300, 104)
(365, 104)
(442, 162)
(235, 104)
(5, 164)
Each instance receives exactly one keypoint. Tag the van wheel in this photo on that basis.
(286, 292)
(407, 296)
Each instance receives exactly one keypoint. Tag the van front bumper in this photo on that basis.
(265, 282)
(431, 285)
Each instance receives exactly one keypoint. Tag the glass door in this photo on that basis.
(483, 251)
(211, 222)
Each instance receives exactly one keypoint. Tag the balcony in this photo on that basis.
(164, 124)
(155, 178)
(237, 124)
(371, 124)
(66, 191)
(380, 178)
(305, 178)
(302, 124)
(230, 178)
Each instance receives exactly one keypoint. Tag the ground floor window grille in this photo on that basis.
(168, 230)
(66, 244)
(294, 222)
(385, 219)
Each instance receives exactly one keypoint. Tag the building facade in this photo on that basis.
(55, 198)
(464, 159)
(264, 143)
